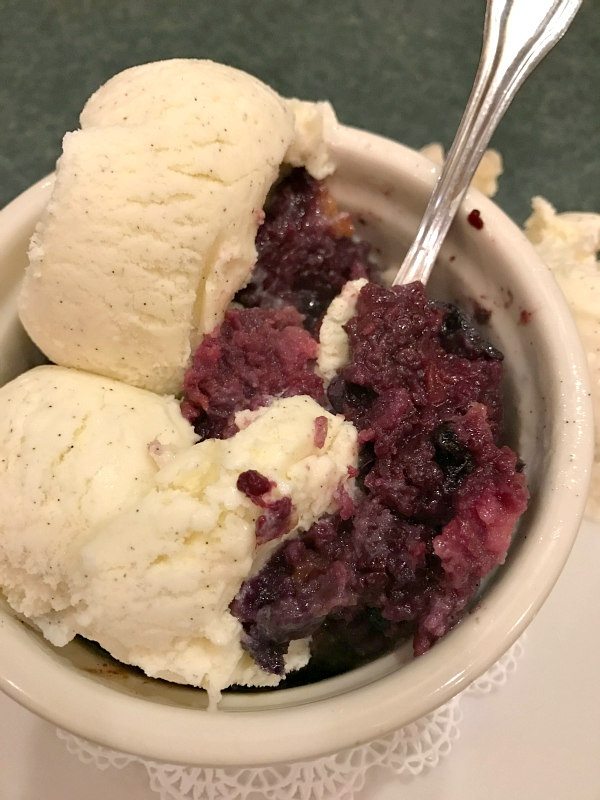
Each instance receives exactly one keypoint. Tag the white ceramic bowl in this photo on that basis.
(548, 420)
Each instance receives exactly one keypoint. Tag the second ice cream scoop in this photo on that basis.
(118, 527)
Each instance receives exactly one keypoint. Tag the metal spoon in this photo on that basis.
(517, 35)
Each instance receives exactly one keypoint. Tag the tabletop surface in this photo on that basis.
(397, 67)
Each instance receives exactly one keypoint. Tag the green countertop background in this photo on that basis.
(402, 68)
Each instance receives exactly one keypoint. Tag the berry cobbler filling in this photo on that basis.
(438, 495)
(306, 251)
(254, 355)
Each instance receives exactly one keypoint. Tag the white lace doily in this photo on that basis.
(408, 751)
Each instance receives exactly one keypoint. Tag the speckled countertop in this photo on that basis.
(402, 68)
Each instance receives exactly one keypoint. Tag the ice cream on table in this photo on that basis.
(569, 243)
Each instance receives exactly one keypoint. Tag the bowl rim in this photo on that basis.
(191, 736)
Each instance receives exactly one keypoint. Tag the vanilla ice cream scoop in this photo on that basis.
(117, 526)
(76, 450)
(158, 579)
(150, 228)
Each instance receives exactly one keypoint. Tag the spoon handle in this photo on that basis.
(517, 35)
